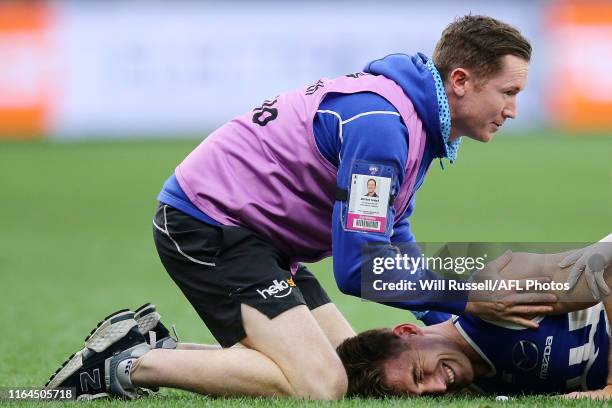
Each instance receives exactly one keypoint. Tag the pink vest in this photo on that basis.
(263, 170)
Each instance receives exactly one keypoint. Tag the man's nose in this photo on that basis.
(509, 111)
(434, 384)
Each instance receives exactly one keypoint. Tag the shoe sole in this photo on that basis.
(142, 309)
(105, 320)
(147, 318)
(110, 330)
(92, 397)
(106, 333)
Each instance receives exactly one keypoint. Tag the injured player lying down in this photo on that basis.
(568, 352)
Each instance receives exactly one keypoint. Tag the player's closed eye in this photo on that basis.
(511, 92)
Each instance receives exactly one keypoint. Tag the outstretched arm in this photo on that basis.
(524, 265)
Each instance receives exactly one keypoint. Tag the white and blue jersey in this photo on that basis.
(568, 352)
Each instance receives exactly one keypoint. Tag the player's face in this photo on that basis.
(371, 187)
(432, 365)
(483, 108)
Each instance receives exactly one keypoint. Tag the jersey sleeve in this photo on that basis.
(401, 229)
(377, 136)
(431, 317)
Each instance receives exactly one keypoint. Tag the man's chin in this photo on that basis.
(464, 375)
(487, 138)
(482, 137)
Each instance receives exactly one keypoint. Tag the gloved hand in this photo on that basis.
(591, 260)
(512, 306)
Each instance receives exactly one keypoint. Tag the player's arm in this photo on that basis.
(591, 261)
(401, 234)
(526, 265)
(369, 136)
(381, 138)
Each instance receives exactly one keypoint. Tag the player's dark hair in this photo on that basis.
(371, 180)
(478, 43)
(364, 356)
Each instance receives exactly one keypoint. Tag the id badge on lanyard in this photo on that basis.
(369, 193)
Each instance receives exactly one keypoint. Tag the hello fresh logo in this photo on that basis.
(277, 289)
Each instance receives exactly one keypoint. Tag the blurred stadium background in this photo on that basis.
(100, 100)
(99, 69)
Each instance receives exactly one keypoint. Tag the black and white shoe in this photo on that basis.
(151, 327)
(103, 367)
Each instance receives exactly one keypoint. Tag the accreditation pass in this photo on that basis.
(368, 203)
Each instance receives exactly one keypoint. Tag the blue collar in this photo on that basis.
(451, 148)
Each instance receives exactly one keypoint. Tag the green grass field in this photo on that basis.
(75, 239)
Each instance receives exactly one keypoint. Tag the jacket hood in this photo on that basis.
(417, 82)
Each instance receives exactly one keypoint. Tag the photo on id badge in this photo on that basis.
(368, 203)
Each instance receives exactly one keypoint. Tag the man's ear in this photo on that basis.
(458, 80)
(407, 329)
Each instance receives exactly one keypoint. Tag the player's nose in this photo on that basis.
(509, 111)
(434, 384)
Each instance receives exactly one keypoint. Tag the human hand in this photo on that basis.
(603, 394)
(509, 305)
(591, 260)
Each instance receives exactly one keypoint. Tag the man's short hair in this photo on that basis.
(371, 180)
(478, 43)
(364, 357)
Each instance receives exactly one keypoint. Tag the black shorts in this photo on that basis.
(218, 268)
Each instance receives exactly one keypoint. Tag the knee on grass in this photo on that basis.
(329, 383)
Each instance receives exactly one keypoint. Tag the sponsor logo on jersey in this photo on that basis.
(525, 355)
(546, 357)
(278, 289)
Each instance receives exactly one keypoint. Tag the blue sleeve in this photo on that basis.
(431, 317)
(401, 229)
(371, 130)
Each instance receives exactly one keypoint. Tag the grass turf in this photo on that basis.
(76, 244)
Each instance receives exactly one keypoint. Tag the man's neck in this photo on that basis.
(448, 330)
(454, 134)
